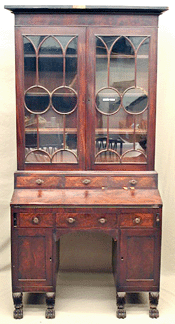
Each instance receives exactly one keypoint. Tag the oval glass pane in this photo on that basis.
(37, 100)
(64, 156)
(135, 100)
(108, 101)
(64, 100)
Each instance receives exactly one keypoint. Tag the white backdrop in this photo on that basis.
(165, 141)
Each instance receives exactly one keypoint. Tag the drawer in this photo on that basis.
(39, 182)
(137, 219)
(85, 182)
(139, 182)
(86, 220)
(35, 220)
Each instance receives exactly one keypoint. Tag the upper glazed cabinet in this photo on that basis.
(86, 89)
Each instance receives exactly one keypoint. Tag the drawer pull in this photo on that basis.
(39, 181)
(35, 220)
(86, 181)
(133, 182)
(102, 220)
(137, 220)
(71, 220)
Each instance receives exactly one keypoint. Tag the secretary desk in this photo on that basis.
(86, 107)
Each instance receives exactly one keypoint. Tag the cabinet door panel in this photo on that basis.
(121, 99)
(53, 97)
(139, 258)
(32, 257)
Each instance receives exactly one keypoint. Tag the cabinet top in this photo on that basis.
(85, 9)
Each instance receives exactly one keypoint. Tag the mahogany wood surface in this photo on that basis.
(54, 199)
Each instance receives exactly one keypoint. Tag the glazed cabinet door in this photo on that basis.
(50, 70)
(139, 260)
(32, 259)
(121, 92)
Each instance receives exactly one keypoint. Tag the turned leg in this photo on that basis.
(50, 302)
(17, 299)
(121, 300)
(153, 299)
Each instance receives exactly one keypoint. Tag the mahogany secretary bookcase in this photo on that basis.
(86, 103)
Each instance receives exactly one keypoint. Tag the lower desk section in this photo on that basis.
(136, 245)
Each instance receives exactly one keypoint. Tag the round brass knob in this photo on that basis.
(133, 182)
(35, 220)
(137, 220)
(71, 220)
(39, 181)
(102, 220)
(86, 181)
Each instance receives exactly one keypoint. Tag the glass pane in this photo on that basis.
(107, 157)
(64, 100)
(50, 64)
(51, 132)
(122, 46)
(50, 46)
(136, 40)
(133, 157)
(122, 73)
(101, 72)
(71, 64)
(143, 65)
(37, 156)
(37, 99)
(30, 132)
(108, 101)
(64, 156)
(101, 47)
(29, 63)
(135, 100)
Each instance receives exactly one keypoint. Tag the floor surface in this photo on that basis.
(87, 298)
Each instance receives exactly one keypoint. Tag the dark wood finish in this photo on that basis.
(118, 198)
(153, 298)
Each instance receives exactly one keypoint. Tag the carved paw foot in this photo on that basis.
(153, 298)
(50, 302)
(50, 313)
(18, 312)
(153, 313)
(121, 299)
(121, 313)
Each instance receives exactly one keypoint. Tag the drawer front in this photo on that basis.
(137, 220)
(39, 182)
(86, 220)
(35, 220)
(85, 182)
(141, 182)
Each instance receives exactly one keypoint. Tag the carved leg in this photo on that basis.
(121, 300)
(153, 298)
(50, 302)
(17, 299)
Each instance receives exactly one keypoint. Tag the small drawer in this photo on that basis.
(86, 220)
(85, 182)
(137, 219)
(39, 182)
(35, 220)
